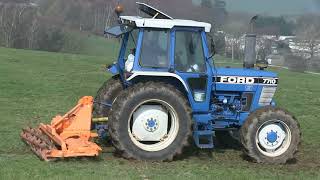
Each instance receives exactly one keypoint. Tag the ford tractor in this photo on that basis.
(165, 89)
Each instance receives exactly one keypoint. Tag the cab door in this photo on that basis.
(189, 53)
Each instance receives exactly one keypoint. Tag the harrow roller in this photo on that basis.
(39, 143)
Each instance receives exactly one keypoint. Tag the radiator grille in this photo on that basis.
(266, 96)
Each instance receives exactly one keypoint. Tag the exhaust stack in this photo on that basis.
(250, 51)
(250, 45)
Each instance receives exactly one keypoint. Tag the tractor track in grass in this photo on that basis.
(230, 158)
(19, 152)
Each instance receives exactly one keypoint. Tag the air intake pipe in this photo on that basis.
(250, 45)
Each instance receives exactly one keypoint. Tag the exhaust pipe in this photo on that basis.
(250, 45)
(250, 51)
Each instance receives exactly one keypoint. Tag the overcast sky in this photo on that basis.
(276, 7)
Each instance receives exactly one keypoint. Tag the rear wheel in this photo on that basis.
(270, 135)
(150, 121)
(106, 95)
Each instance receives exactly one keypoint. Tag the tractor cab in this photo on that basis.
(165, 48)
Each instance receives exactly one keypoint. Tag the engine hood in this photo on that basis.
(244, 72)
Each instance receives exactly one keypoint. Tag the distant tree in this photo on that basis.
(15, 1)
(213, 11)
(30, 23)
(15, 23)
(220, 13)
(82, 15)
(206, 3)
(51, 38)
(283, 48)
(220, 43)
(268, 25)
(308, 33)
(235, 30)
(264, 48)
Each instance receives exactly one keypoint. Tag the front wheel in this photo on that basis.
(270, 135)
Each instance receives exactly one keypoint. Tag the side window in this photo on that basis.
(189, 55)
(155, 48)
(131, 50)
(131, 45)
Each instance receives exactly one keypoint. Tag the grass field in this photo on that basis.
(89, 44)
(34, 86)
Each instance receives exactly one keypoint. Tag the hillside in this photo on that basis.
(90, 44)
(34, 86)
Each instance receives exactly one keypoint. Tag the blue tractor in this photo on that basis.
(166, 88)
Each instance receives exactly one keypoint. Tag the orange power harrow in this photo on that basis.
(67, 136)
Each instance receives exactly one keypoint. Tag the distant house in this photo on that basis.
(273, 53)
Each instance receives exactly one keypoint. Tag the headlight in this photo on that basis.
(199, 96)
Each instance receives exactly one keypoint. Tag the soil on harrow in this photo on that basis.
(35, 86)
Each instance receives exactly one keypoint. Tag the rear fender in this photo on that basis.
(166, 77)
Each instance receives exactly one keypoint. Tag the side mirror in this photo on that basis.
(212, 47)
(210, 56)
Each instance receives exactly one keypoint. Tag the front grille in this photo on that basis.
(266, 96)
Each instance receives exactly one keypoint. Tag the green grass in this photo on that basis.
(90, 44)
(34, 86)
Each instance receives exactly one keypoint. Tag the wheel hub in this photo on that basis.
(271, 136)
(151, 124)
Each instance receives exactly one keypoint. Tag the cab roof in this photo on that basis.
(164, 23)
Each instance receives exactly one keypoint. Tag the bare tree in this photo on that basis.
(32, 37)
(103, 12)
(13, 20)
(234, 34)
(308, 34)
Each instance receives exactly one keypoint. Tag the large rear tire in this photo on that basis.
(129, 101)
(107, 93)
(270, 135)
